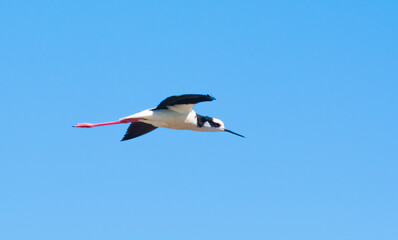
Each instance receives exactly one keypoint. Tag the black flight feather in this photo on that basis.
(184, 99)
(137, 129)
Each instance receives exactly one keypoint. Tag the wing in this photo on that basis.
(184, 102)
(137, 129)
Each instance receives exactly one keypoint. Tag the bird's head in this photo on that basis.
(210, 124)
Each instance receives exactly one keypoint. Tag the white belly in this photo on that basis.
(174, 120)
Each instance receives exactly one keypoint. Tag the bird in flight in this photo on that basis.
(174, 112)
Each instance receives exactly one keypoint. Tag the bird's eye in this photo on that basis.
(217, 125)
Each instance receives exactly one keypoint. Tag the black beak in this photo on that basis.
(226, 130)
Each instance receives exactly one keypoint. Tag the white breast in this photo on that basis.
(170, 119)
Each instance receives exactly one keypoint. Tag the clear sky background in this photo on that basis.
(313, 85)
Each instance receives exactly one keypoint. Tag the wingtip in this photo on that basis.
(211, 97)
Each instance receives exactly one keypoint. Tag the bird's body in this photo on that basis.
(167, 119)
(174, 112)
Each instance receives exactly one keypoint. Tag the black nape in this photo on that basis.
(201, 120)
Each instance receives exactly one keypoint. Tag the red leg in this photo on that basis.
(89, 125)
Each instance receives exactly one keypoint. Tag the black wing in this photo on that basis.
(137, 129)
(184, 99)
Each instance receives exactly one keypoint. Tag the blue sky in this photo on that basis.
(312, 85)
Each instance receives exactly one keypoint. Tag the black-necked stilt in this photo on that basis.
(174, 112)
